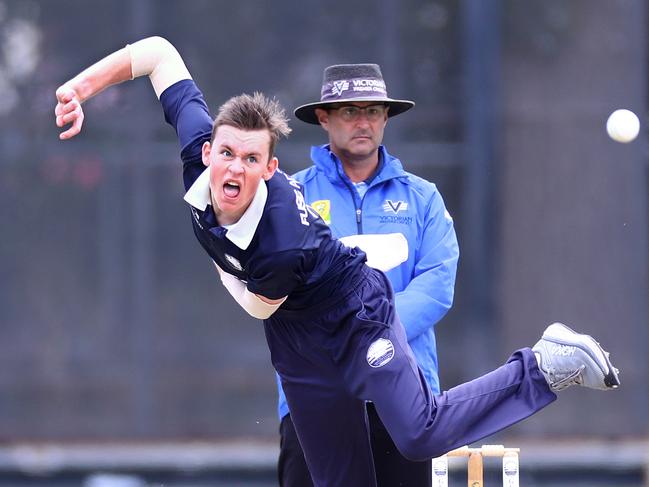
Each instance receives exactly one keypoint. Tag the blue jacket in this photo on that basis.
(395, 201)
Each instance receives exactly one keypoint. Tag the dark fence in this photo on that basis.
(113, 324)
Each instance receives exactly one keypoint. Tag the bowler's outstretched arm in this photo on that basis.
(154, 57)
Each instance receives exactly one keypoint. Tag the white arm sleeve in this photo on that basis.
(158, 59)
(250, 302)
(384, 250)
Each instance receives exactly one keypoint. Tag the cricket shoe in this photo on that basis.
(568, 358)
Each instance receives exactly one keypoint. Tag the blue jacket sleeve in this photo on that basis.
(429, 295)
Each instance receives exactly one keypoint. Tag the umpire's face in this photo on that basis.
(355, 129)
(238, 160)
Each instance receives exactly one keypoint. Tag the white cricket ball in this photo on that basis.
(623, 125)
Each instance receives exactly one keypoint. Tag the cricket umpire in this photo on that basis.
(367, 198)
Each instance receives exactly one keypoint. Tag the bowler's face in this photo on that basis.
(238, 160)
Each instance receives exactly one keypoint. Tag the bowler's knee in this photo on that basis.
(416, 450)
(412, 449)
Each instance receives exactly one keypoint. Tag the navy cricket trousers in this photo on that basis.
(352, 348)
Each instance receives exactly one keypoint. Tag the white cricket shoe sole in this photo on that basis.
(569, 358)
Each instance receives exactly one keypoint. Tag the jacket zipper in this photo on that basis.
(353, 193)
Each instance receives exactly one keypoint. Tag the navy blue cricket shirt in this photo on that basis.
(279, 247)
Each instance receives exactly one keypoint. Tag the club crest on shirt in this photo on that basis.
(233, 262)
(380, 352)
(323, 208)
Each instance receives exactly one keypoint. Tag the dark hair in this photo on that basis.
(254, 112)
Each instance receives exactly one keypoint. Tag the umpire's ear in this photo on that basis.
(206, 150)
(323, 117)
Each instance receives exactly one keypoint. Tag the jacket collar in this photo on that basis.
(241, 232)
(327, 162)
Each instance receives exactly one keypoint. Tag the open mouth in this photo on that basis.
(231, 189)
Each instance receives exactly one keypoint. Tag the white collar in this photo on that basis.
(198, 194)
(240, 233)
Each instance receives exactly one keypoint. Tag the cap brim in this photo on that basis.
(307, 114)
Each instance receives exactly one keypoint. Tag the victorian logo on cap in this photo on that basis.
(339, 87)
(350, 83)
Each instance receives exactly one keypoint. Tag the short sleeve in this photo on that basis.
(278, 275)
(186, 111)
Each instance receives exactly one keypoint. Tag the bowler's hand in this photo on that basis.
(68, 110)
